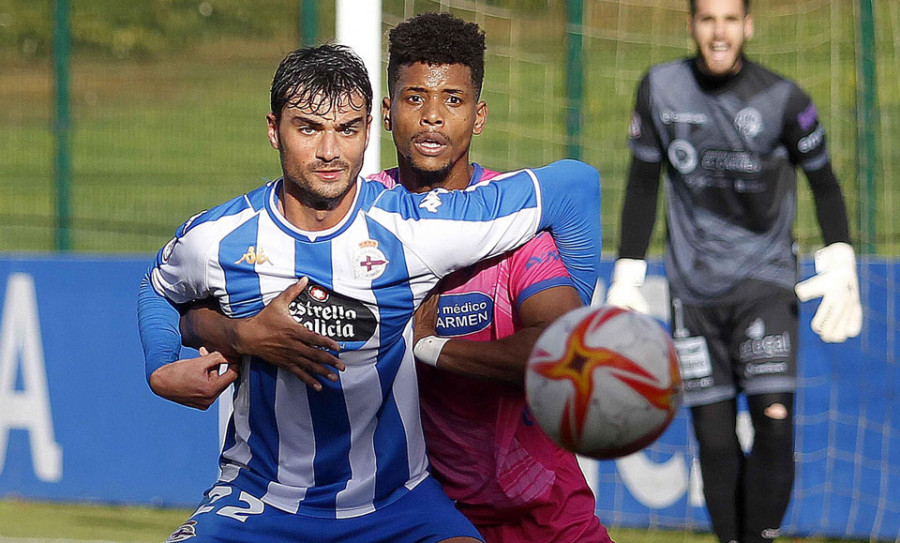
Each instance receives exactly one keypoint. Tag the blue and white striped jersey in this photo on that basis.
(358, 443)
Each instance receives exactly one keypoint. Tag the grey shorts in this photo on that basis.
(749, 345)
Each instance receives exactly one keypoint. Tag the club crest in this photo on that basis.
(368, 261)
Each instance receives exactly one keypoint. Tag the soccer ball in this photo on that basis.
(603, 381)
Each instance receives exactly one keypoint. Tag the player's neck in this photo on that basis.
(456, 178)
(715, 82)
(314, 216)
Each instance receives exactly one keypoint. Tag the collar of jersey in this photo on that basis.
(279, 219)
(476, 174)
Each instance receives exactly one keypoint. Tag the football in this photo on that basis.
(603, 381)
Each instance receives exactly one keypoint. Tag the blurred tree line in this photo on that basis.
(142, 29)
(145, 29)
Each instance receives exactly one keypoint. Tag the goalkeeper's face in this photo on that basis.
(719, 29)
(433, 115)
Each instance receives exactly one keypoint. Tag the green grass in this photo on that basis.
(37, 521)
(85, 522)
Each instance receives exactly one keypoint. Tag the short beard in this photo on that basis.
(430, 178)
(312, 200)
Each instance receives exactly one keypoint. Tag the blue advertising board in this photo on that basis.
(78, 421)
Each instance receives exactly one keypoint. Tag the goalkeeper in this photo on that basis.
(730, 134)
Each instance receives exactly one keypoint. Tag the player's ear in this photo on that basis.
(481, 114)
(386, 113)
(748, 27)
(274, 139)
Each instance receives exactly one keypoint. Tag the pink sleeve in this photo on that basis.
(388, 178)
(535, 267)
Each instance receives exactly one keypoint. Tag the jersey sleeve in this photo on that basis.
(158, 324)
(803, 134)
(449, 230)
(182, 266)
(535, 267)
(178, 275)
(642, 137)
(570, 202)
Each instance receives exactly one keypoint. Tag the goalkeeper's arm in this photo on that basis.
(636, 227)
(839, 315)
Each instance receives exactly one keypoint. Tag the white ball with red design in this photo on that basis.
(603, 381)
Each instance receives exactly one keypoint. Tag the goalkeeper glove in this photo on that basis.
(627, 278)
(840, 313)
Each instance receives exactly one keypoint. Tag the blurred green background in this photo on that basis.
(169, 97)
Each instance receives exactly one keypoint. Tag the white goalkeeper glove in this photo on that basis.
(840, 313)
(627, 278)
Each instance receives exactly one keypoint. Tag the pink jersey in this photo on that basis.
(485, 448)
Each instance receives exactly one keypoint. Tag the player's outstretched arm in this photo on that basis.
(272, 335)
(839, 315)
(450, 230)
(636, 227)
(194, 382)
(502, 359)
(570, 191)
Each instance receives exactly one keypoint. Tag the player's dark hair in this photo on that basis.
(693, 6)
(436, 38)
(320, 78)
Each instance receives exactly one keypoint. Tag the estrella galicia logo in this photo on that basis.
(333, 315)
(463, 314)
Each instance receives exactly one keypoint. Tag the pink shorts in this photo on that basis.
(566, 515)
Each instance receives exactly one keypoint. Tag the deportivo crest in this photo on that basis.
(748, 122)
(368, 261)
(184, 532)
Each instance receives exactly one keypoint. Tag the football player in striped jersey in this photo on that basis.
(343, 460)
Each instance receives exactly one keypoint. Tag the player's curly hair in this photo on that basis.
(436, 38)
(692, 5)
(320, 78)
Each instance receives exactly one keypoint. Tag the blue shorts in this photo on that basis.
(228, 514)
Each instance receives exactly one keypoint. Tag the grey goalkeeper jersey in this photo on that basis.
(730, 149)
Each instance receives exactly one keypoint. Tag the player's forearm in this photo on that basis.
(499, 360)
(203, 326)
(570, 191)
(831, 210)
(158, 326)
(639, 209)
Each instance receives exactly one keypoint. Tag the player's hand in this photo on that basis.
(425, 322)
(839, 315)
(274, 335)
(194, 382)
(624, 290)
